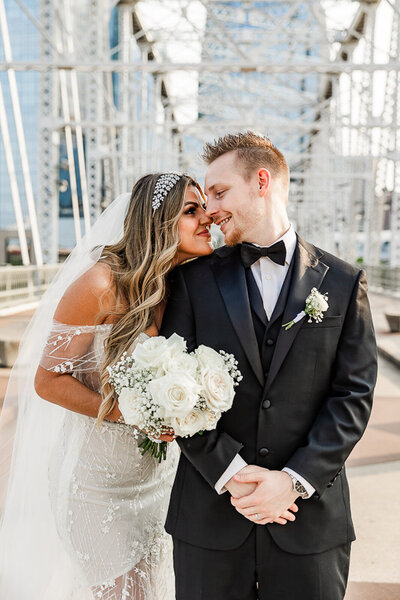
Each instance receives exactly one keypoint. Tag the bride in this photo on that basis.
(84, 516)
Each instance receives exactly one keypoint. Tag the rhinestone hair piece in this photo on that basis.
(164, 185)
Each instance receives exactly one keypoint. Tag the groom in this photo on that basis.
(302, 405)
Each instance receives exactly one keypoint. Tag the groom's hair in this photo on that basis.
(254, 151)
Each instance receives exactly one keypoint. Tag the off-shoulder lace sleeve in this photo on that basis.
(71, 348)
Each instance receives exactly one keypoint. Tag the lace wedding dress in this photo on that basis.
(109, 501)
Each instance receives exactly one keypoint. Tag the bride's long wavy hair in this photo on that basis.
(139, 263)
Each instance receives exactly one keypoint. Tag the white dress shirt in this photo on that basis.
(269, 277)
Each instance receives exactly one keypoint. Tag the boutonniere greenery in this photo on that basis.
(316, 305)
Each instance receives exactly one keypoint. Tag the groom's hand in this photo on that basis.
(272, 500)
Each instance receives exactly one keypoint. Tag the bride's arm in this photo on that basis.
(80, 306)
(68, 392)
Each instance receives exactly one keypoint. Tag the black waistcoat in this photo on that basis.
(267, 330)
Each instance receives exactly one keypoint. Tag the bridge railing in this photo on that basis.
(20, 284)
(383, 279)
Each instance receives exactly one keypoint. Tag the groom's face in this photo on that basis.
(233, 202)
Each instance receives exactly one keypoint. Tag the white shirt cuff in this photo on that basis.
(309, 488)
(236, 465)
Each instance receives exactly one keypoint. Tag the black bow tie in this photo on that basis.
(251, 253)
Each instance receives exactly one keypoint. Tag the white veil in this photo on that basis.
(30, 549)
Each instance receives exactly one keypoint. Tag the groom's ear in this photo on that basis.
(264, 181)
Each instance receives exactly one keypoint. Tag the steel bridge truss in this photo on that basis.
(319, 77)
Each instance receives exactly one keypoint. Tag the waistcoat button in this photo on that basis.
(263, 451)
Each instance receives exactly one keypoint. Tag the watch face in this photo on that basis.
(300, 488)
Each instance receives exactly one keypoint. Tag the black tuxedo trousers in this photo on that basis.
(304, 400)
(259, 570)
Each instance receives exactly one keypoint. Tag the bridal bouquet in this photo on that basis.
(162, 387)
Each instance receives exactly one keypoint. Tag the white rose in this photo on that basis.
(180, 362)
(218, 388)
(176, 344)
(175, 393)
(317, 301)
(128, 405)
(208, 358)
(151, 353)
(211, 419)
(322, 304)
(189, 424)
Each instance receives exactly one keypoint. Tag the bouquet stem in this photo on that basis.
(157, 449)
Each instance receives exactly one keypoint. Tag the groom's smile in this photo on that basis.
(223, 222)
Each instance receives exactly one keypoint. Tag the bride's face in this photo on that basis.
(194, 226)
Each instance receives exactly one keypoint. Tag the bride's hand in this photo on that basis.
(115, 415)
(168, 437)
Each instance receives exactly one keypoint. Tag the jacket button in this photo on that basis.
(263, 451)
(266, 404)
(270, 342)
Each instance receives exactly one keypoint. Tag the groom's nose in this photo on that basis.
(211, 210)
(205, 219)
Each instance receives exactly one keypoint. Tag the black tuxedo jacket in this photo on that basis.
(320, 386)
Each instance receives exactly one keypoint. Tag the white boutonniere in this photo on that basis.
(316, 305)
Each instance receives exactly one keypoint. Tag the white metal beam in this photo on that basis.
(20, 137)
(304, 67)
(13, 180)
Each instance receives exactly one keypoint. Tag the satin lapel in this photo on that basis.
(308, 272)
(231, 280)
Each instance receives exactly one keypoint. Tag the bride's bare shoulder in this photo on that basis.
(98, 278)
(91, 294)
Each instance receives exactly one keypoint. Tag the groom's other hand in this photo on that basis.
(238, 490)
(272, 500)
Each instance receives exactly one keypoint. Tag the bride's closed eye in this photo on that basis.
(192, 209)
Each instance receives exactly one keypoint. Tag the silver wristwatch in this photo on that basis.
(298, 487)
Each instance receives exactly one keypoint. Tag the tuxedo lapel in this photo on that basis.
(308, 272)
(231, 280)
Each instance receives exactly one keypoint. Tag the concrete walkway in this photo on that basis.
(373, 468)
(374, 475)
